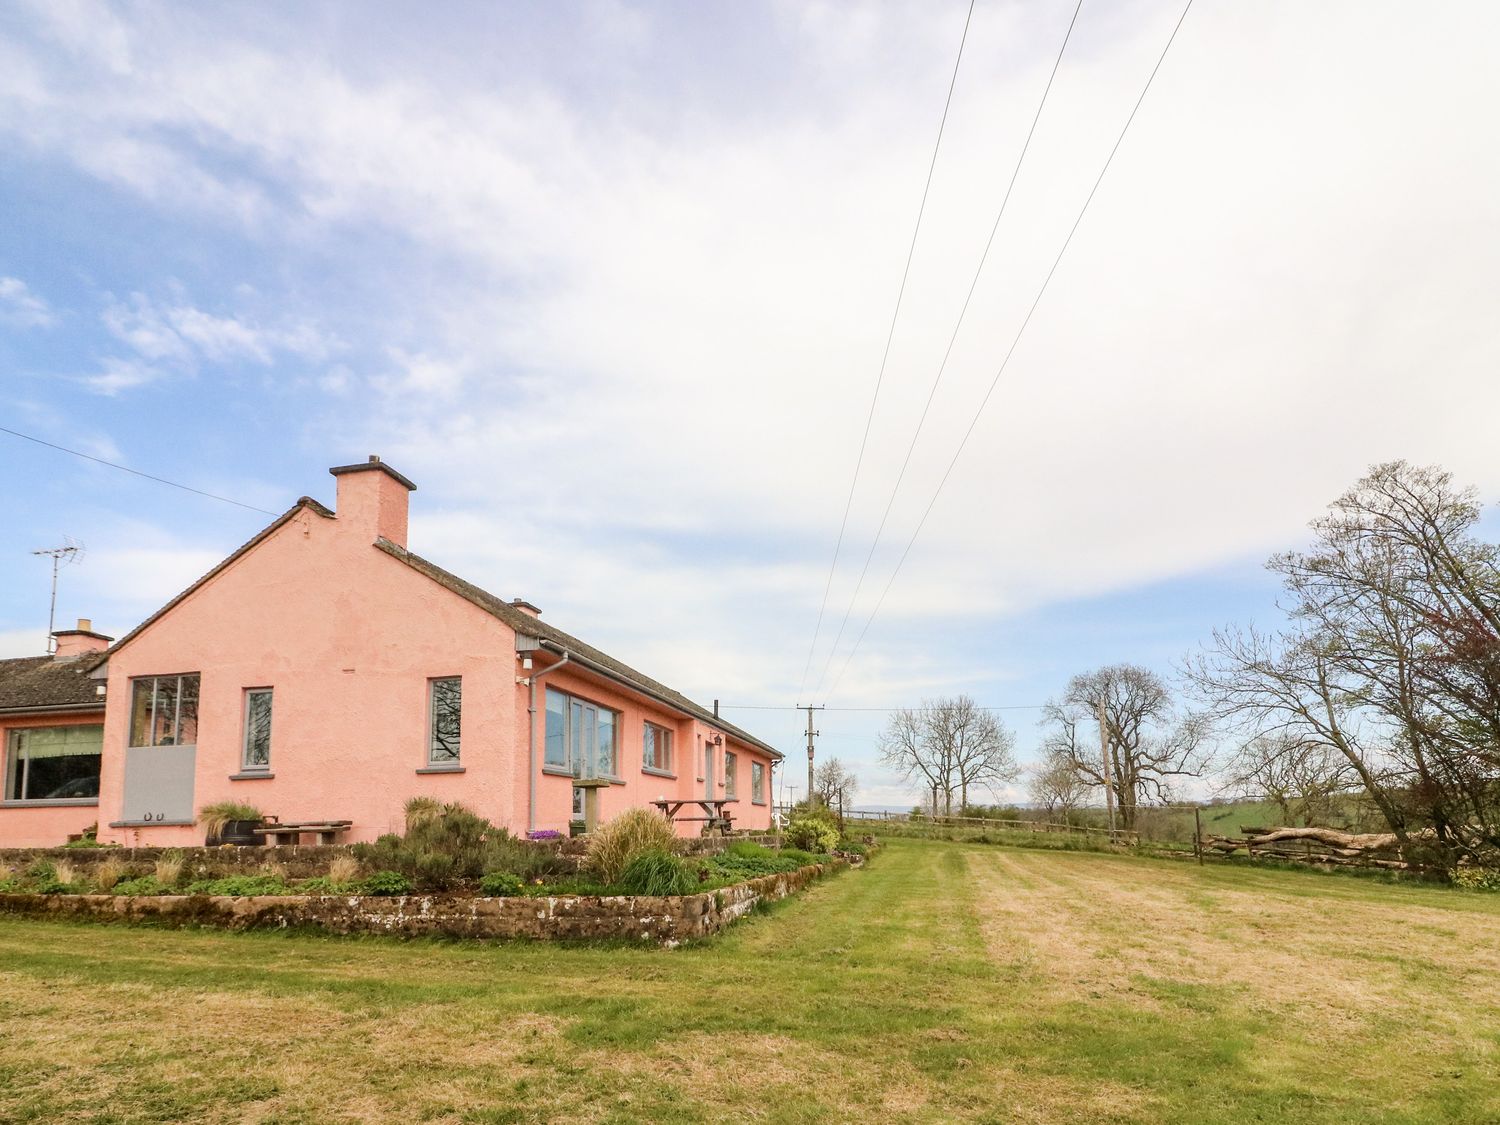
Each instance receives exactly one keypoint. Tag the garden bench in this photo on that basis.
(716, 815)
(290, 832)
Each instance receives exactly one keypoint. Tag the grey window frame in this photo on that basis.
(661, 737)
(13, 764)
(569, 765)
(246, 765)
(136, 682)
(456, 758)
(731, 775)
(757, 782)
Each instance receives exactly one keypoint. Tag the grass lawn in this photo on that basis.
(945, 982)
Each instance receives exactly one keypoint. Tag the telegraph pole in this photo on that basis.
(1109, 789)
(811, 734)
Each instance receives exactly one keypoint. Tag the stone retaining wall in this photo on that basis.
(667, 921)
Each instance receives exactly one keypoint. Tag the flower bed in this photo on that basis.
(668, 920)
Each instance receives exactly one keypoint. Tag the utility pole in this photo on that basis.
(1109, 789)
(60, 557)
(811, 734)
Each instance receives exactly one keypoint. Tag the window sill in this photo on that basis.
(658, 773)
(441, 769)
(252, 775)
(152, 823)
(755, 802)
(557, 771)
(51, 803)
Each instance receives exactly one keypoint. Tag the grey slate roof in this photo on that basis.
(529, 626)
(40, 683)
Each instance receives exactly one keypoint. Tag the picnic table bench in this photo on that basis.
(716, 816)
(291, 831)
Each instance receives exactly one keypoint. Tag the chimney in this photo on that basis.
(525, 607)
(373, 497)
(73, 643)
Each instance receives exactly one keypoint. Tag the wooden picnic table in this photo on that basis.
(715, 814)
(290, 832)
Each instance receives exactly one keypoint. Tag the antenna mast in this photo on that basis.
(71, 551)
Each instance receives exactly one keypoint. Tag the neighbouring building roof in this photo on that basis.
(529, 626)
(41, 683)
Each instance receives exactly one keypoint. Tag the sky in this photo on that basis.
(612, 283)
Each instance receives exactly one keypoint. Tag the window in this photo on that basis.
(731, 760)
(758, 782)
(164, 711)
(53, 764)
(444, 720)
(582, 737)
(256, 753)
(657, 748)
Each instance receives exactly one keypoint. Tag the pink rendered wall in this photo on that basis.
(43, 826)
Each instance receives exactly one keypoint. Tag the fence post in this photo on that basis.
(1198, 834)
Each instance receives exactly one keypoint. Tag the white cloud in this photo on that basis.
(20, 306)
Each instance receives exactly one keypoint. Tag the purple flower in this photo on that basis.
(545, 834)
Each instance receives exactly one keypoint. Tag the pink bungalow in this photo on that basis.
(323, 672)
(52, 734)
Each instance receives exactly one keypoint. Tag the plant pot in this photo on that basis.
(240, 833)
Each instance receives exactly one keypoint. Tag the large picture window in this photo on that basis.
(53, 764)
(657, 748)
(444, 720)
(582, 737)
(164, 711)
(257, 748)
(758, 782)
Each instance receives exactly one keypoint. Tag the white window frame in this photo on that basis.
(246, 765)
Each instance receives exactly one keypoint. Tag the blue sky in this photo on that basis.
(611, 283)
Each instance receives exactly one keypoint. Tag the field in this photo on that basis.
(945, 982)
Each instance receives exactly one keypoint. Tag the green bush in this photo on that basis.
(634, 831)
(444, 846)
(501, 884)
(144, 885)
(812, 834)
(799, 857)
(238, 885)
(1476, 879)
(386, 883)
(656, 872)
(853, 847)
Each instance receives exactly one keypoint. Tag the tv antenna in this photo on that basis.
(70, 552)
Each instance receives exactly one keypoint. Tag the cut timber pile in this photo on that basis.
(1315, 845)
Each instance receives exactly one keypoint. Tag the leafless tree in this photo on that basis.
(952, 746)
(1055, 786)
(1150, 745)
(835, 784)
(1391, 656)
(1304, 778)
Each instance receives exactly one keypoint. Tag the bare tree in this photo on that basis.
(1391, 656)
(1150, 746)
(1303, 778)
(1055, 786)
(952, 746)
(834, 783)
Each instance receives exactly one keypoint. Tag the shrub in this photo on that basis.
(238, 885)
(439, 849)
(501, 884)
(145, 885)
(1476, 879)
(343, 870)
(421, 810)
(386, 883)
(65, 872)
(657, 872)
(812, 834)
(613, 846)
(214, 817)
(853, 847)
(169, 868)
(107, 874)
(800, 857)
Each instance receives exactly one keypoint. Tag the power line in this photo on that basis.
(952, 339)
(883, 710)
(136, 472)
(890, 335)
(957, 453)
